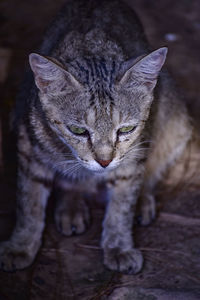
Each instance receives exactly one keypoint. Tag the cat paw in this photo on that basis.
(128, 262)
(148, 210)
(13, 258)
(69, 223)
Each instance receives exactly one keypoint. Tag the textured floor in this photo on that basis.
(71, 268)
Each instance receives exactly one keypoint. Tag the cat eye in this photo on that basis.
(126, 129)
(78, 130)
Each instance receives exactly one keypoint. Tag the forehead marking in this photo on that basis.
(115, 117)
(97, 74)
(91, 117)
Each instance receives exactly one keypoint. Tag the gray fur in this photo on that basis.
(95, 71)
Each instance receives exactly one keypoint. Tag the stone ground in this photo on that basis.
(71, 268)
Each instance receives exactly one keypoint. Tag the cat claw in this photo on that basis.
(13, 258)
(127, 262)
(72, 225)
(72, 214)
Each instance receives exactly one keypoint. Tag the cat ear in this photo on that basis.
(50, 76)
(144, 70)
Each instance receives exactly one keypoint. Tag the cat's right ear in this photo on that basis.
(50, 76)
(144, 70)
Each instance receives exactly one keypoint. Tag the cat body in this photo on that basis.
(97, 112)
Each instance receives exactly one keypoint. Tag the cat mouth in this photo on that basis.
(97, 169)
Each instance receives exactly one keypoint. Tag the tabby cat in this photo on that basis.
(98, 110)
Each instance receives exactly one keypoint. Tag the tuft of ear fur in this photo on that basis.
(50, 75)
(144, 70)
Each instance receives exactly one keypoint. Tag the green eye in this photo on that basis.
(78, 130)
(126, 129)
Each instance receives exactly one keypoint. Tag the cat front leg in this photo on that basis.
(72, 214)
(33, 191)
(20, 251)
(117, 241)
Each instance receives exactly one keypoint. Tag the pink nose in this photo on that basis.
(104, 163)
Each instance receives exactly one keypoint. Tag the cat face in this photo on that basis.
(100, 118)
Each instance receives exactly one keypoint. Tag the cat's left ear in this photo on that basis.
(144, 70)
(50, 75)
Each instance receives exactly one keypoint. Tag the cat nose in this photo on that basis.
(104, 163)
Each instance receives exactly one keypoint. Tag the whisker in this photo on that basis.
(65, 162)
(136, 146)
(73, 167)
(141, 143)
(73, 172)
(136, 151)
(65, 155)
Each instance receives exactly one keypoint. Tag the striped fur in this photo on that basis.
(94, 72)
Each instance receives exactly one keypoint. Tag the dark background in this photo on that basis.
(71, 268)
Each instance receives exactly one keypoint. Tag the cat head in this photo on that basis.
(96, 107)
